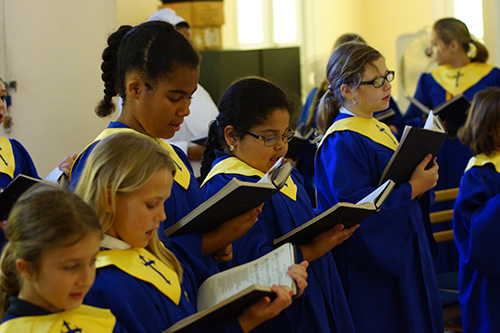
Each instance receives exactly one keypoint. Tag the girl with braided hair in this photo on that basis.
(155, 70)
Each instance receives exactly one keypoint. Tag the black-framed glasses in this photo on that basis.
(272, 140)
(379, 82)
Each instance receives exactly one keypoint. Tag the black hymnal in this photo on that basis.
(13, 191)
(345, 213)
(415, 144)
(235, 198)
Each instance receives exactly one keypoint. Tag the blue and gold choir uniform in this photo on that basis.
(434, 88)
(14, 160)
(477, 233)
(386, 266)
(143, 293)
(25, 317)
(184, 197)
(322, 308)
(438, 86)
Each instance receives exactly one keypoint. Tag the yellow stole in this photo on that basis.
(483, 159)
(83, 319)
(145, 266)
(182, 174)
(369, 127)
(7, 162)
(457, 80)
(233, 165)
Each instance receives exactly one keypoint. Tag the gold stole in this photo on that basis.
(369, 127)
(457, 80)
(182, 174)
(145, 266)
(7, 162)
(83, 319)
(483, 159)
(233, 165)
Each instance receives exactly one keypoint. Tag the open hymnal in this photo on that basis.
(232, 200)
(346, 213)
(415, 144)
(225, 295)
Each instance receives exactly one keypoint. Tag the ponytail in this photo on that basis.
(214, 142)
(327, 111)
(106, 106)
(9, 278)
(313, 109)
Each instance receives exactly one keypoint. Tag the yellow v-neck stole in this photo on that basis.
(369, 127)
(182, 174)
(233, 165)
(83, 319)
(483, 159)
(458, 80)
(7, 162)
(145, 266)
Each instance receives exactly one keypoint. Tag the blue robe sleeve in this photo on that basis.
(79, 165)
(476, 227)
(24, 163)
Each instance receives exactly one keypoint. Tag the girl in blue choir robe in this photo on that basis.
(462, 69)
(386, 267)
(126, 179)
(48, 265)
(475, 216)
(156, 98)
(251, 133)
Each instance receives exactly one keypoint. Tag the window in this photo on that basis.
(264, 23)
(471, 13)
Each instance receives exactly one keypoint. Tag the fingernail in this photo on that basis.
(258, 210)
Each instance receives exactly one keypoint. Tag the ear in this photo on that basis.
(25, 269)
(454, 46)
(230, 135)
(134, 87)
(347, 92)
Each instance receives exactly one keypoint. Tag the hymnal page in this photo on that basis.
(267, 270)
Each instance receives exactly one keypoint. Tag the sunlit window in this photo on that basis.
(471, 13)
(250, 21)
(285, 21)
(267, 22)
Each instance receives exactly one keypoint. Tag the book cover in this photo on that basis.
(345, 213)
(13, 191)
(235, 198)
(415, 144)
(452, 113)
(298, 142)
(226, 294)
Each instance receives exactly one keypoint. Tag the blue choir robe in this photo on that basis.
(322, 308)
(23, 316)
(306, 155)
(184, 197)
(142, 301)
(14, 160)
(386, 266)
(433, 89)
(477, 233)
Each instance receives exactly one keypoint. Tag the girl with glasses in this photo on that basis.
(386, 266)
(248, 136)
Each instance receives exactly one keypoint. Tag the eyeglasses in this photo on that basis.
(379, 82)
(272, 140)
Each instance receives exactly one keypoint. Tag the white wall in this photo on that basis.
(53, 50)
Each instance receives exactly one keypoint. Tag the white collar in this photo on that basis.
(344, 110)
(113, 243)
